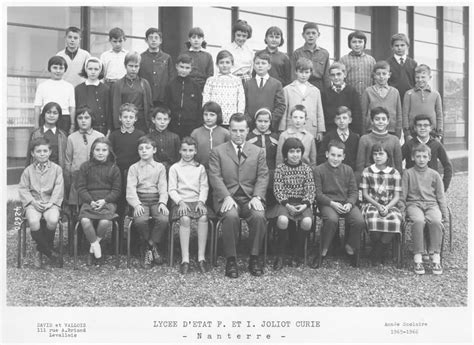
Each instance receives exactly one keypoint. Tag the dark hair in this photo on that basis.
(399, 37)
(37, 142)
(103, 140)
(420, 148)
(299, 107)
(382, 64)
(214, 108)
(378, 110)
(83, 72)
(161, 109)
(263, 55)
(146, 139)
(74, 29)
(132, 56)
(196, 32)
(46, 108)
(311, 26)
(81, 110)
(337, 144)
(303, 64)
(128, 107)
(184, 58)
(291, 143)
(238, 117)
(116, 33)
(421, 117)
(377, 148)
(241, 25)
(343, 110)
(356, 34)
(274, 30)
(153, 31)
(57, 60)
(224, 54)
(189, 141)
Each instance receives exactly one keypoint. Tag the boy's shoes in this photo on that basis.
(278, 264)
(353, 260)
(297, 261)
(90, 259)
(37, 259)
(148, 259)
(437, 269)
(419, 269)
(231, 269)
(157, 258)
(255, 267)
(54, 258)
(203, 267)
(184, 267)
(376, 253)
(315, 263)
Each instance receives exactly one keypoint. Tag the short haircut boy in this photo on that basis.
(337, 144)
(421, 117)
(74, 29)
(117, 33)
(162, 110)
(153, 31)
(263, 56)
(57, 60)
(215, 108)
(274, 30)
(189, 141)
(146, 139)
(400, 37)
(420, 148)
(343, 110)
(337, 65)
(132, 57)
(292, 143)
(356, 34)
(224, 54)
(299, 107)
(379, 110)
(128, 107)
(38, 142)
(311, 25)
(423, 68)
(184, 58)
(382, 64)
(303, 64)
(242, 25)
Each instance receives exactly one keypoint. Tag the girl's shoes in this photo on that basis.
(96, 249)
(184, 267)
(203, 267)
(148, 259)
(419, 269)
(157, 257)
(278, 264)
(437, 269)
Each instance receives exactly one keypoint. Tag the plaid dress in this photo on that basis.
(381, 185)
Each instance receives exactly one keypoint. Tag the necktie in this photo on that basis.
(261, 83)
(343, 136)
(239, 152)
(401, 61)
(84, 138)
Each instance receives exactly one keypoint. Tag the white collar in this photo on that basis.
(398, 57)
(194, 50)
(265, 78)
(45, 129)
(423, 141)
(95, 83)
(235, 146)
(377, 170)
(210, 128)
(346, 132)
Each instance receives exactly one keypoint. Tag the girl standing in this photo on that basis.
(203, 66)
(243, 55)
(225, 89)
(95, 95)
(381, 188)
(188, 188)
(98, 186)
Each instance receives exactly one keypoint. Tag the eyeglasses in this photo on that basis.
(423, 125)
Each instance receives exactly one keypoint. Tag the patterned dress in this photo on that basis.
(381, 185)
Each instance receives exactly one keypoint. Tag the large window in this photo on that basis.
(355, 18)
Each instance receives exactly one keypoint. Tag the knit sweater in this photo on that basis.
(294, 184)
(97, 98)
(347, 97)
(437, 152)
(351, 144)
(426, 102)
(402, 77)
(188, 182)
(77, 151)
(424, 186)
(98, 180)
(146, 177)
(335, 184)
(207, 140)
(74, 67)
(158, 69)
(371, 99)
(203, 67)
(125, 146)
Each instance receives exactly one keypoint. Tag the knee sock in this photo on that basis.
(417, 258)
(41, 242)
(184, 232)
(202, 239)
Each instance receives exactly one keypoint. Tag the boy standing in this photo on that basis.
(167, 142)
(382, 95)
(401, 65)
(341, 94)
(318, 56)
(113, 59)
(343, 134)
(336, 195)
(302, 92)
(422, 127)
(423, 100)
(147, 193)
(183, 97)
(425, 201)
(75, 57)
(156, 66)
(264, 91)
(41, 192)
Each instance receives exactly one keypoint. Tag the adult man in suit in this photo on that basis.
(238, 174)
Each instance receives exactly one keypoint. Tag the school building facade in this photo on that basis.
(439, 38)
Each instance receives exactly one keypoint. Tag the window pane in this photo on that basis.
(356, 17)
(402, 21)
(453, 34)
(454, 121)
(344, 46)
(454, 85)
(323, 15)
(59, 17)
(20, 102)
(453, 60)
(133, 20)
(431, 11)
(325, 40)
(426, 53)
(28, 50)
(454, 13)
(425, 29)
(204, 18)
(276, 10)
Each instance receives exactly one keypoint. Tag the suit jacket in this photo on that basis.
(226, 175)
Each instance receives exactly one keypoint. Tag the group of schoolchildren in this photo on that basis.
(135, 129)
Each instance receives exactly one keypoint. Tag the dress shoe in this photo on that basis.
(184, 267)
(315, 263)
(157, 257)
(203, 267)
(278, 264)
(297, 261)
(353, 260)
(90, 259)
(231, 269)
(255, 267)
(54, 258)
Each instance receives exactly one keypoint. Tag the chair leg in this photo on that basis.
(76, 229)
(19, 245)
(61, 259)
(450, 215)
(128, 243)
(216, 237)
(211, 241)
(171, 245)
(117, 242)
(23, 243)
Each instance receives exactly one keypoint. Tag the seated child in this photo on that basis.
(167, 142)
(343, 119)
(425, 202)
(188, 188)
(422, 99)
(262, 136)
(41, 191)
(295, 192)
(98, 185)
(422, 127)
(381, 188)
(147, 193)
(210, 134)
(380, 121)
(57, 138)
(382, 95)
(296, 130)
(303, 92)
(336, 195)
(183, 97)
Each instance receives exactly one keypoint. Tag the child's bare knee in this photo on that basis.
(185, 221)
(282, 222)
(306, 224)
